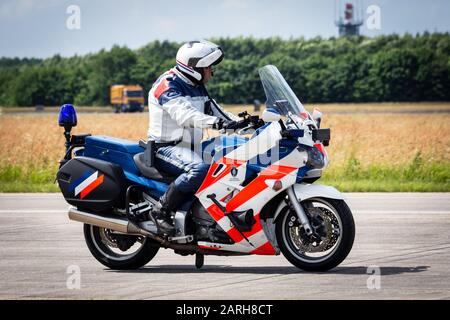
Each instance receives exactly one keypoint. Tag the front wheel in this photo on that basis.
(332, 238)
(119, 251)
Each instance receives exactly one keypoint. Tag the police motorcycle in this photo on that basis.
(260, 195)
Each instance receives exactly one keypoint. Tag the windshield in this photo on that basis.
(137, 93)
(276, 88)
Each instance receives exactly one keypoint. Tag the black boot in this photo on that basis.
(167, 204)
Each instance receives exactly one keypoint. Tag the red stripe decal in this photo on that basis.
(215, 212)
(265, 249)
(234, 234)
(274, 172)
(208, 247)
(91, 187)
(161, 88)
(228, 163)
(184, 65)
(237, 237)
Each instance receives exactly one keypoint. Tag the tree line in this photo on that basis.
(346, 69)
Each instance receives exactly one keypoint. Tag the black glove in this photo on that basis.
(229, 124)
(224, 124)
(218, 124)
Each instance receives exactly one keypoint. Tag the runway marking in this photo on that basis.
(402, 211)
(33, 211)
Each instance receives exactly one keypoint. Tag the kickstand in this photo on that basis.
(199, 260)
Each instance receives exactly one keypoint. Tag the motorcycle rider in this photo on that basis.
(179, 109)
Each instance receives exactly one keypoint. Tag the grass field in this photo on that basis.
(327, 107)
(369, 152)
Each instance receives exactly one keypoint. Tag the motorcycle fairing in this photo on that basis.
(225, 180)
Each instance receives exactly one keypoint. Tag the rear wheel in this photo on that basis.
(119, 251)
(332, 238)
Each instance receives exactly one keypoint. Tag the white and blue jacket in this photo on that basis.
(177, 109)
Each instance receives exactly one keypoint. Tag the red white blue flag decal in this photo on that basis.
(88, 185)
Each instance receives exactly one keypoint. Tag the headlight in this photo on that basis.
(315, 158)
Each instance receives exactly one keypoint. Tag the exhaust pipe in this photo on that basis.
(123, 225)
(118, 224)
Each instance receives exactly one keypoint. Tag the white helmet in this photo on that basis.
(193, 56)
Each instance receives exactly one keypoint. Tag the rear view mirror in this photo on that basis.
(271, 115)
(317, 116)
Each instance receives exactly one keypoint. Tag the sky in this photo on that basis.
(43, 28)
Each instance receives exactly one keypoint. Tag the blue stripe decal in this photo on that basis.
(259, 130)
(268, 158)
(84, 176)
(301, 173)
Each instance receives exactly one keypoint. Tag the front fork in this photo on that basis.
(299, 210)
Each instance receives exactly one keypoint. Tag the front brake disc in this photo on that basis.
(325, 231)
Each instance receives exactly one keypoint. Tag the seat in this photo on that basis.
(112, 143)
(151, 172)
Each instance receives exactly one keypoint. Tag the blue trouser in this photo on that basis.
(184, 163)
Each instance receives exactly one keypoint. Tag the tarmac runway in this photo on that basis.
(401, 251)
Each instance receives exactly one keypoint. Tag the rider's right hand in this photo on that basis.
(229, 124)
(218, 125)
(225, 124)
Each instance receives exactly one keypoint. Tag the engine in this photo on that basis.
(206, 229)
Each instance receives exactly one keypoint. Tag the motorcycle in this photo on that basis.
(259, 196)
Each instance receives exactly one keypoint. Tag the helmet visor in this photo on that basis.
(211, 59)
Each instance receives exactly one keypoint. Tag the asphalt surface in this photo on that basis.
(404, 237)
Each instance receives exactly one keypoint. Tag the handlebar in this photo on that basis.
(248, 122)
(240, 125)
(243, 114)
(243, 130)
